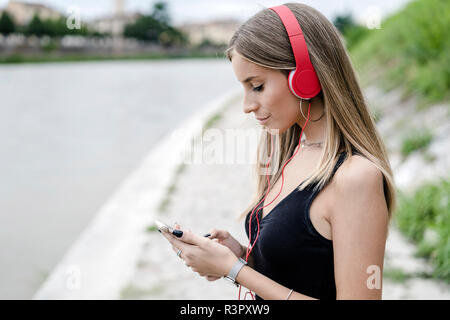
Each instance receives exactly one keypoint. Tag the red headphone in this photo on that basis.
(303, 83)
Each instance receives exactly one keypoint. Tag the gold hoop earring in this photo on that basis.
(304, 115)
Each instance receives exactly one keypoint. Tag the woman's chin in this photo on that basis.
(274, 130)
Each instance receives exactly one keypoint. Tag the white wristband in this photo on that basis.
(235, 270)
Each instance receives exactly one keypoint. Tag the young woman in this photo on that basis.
(318, 226)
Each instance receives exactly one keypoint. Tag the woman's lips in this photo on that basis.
(263, 120)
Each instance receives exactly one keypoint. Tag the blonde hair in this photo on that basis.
(263, 40)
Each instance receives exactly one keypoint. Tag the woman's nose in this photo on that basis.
(249, 106)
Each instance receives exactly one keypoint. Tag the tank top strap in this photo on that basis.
(340, 160)
(314, 186)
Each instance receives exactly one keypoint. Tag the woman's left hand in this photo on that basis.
(203, 255)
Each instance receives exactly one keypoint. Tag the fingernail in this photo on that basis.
(207, 235)
(177, 233)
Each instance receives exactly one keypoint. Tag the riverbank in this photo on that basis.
(209, 196)
(137, 263)
(18, 58)
(103, 258)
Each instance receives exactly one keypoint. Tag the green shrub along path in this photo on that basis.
(404, 67)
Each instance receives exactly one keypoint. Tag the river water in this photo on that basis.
(69, 134)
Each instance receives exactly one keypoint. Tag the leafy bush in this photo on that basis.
(424, 217)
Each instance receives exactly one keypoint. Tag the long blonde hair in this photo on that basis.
(263, 40)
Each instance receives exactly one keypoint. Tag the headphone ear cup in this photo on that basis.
(292, 83)
(304, 84)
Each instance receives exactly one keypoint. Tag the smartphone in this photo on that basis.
(163, 226)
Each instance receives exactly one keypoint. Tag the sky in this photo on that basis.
(185, 11)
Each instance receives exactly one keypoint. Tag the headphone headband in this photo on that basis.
(303, 81)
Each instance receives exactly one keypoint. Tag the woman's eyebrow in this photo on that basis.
(249, 79)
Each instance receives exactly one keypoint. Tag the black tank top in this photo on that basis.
(289, 250)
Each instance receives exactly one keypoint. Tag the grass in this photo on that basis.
(48, 58)
(396, 275)
(416, 140)
(171, 189)
(424, 218)
(152, 228)
(411, 49)
(210, 122)
(132, 292)
(400, 276)
(163, 206)
(429, 157)
(377, 114)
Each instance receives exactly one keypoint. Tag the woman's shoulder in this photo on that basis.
(357, 173)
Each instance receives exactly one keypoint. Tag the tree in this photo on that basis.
(343, 22)
(7, 25)
(352, 32)
(172, 36)
(145, 28)
(160, 13)
(156, 28)
(36, 26)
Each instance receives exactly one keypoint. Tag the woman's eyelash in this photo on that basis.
(257, 89)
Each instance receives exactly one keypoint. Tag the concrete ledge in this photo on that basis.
(102, 260)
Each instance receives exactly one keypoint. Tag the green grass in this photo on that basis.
(152, 228)
(400, 276)
(429, 157)
(377, 114)
(131, 292)
(48, 58)
(214, 119)
(416, 140)
(396, 275)
(424, 218)
(411, 49)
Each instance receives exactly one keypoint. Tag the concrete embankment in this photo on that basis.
(102, 260)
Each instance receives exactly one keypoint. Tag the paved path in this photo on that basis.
(212, 196)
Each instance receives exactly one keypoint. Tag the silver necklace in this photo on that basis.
(313, 144)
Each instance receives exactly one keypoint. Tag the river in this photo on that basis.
(69, 134)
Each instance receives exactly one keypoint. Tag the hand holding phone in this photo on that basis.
(163, 227)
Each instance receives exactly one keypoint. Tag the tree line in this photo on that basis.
(152, 27)
(42, 27)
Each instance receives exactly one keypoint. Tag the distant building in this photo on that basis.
(114, 24)
(23, 12)
(218, 31)
(119, 7)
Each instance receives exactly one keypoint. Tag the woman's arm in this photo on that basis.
(211, 258)
(359, 228)
(250, 261)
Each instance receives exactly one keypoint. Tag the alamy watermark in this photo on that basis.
(372, 17)
(73, 280)
(74, 18)
(228, 146)
(373, 281)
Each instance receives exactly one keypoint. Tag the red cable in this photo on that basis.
(268, 190)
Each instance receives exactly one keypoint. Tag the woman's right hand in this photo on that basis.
(226, 239)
